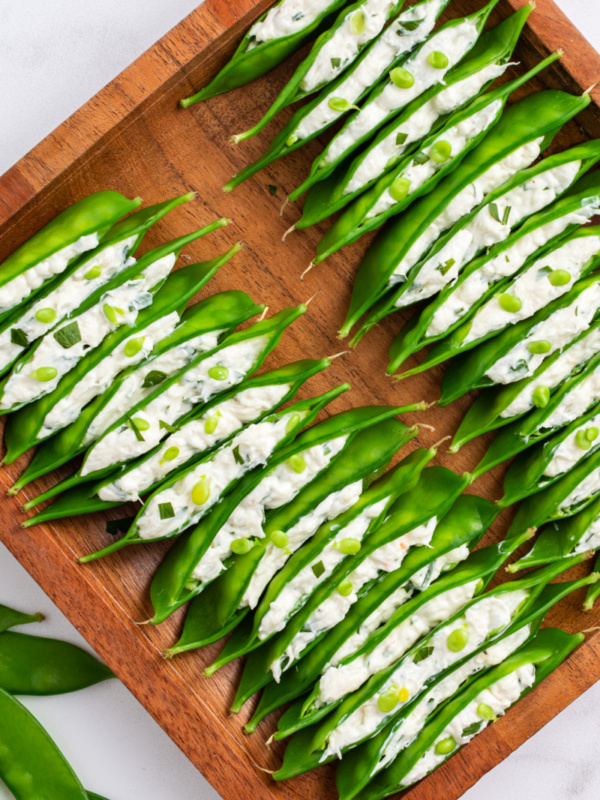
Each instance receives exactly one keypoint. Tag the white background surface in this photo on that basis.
(55, 55)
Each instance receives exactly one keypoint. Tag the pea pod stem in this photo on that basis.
(10, 618)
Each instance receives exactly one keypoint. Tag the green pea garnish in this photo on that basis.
(388, 700)
(293, 423)
(280, 539)
(241, 546)
(479, 586)
(539, 348)
(458, 639)
(486, 712)
(437, 60)
(291, 139)
(345, 588)
(440, 152)
(340, 104)
(133, 346)
(582, 440)
(170, 454)
(445, 746)
(297, 463)
(349, 546)
(140, 423)
(45, 374)
(559, 277)
(399, 189)
(110, 312)
(510, 303)
(592, 434)
(402, 78)
(210, 426)
(45, 315)
(358, 23)
(92, 273)
(541, 396)
(218, 373)
(201, 491)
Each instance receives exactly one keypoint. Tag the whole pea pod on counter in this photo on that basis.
(468, 713)
(410, 259)
(278, 33)
(387, 160)
(201, 328)
(10, 618)
(53, 249)
(333, 52)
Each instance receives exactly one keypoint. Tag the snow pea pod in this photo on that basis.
(174, 583)
(262, 49)
(392, 151)
(31, 765)
(52, 250)
(410, 29)
(201, 328)
(85, 280)
(376, 593)
(37, 666)
(410, 260)
(355, 27)
(529, 198)
(522, 671)
(594, 591)
(128, 344)
(10, 617)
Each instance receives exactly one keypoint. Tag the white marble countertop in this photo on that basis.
(53, 57)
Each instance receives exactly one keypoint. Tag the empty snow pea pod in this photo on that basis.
(411, 259)
(83, 281)
(10, 617)
(391, 152)
(201, 328)
(529, 191)
(31, 765)
(189, 566)
(466, 627)
(461, 718)
(278, 33)
(128, 344)
(407, 719)
(425, 67)
(410, 29)
(332, 53)
(64, 239)
(38, 666)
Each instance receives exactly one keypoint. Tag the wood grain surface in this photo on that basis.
(132, 137)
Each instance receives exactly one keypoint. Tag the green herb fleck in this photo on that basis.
(165, 510)
(166, 427)
(69, 335)
(236, 454)
(153, 378)
(318, 569)
(18, 337)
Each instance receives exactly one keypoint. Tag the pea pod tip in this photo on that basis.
(291, 229)
(307, 270)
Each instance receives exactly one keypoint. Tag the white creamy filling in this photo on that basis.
(590, 540)
(501, 266)
(533, 287)
(285, 19)
(500, 696)
(279, 487)
(321, 567)
(568, 454)
(275, 557)
(248, 449)
(574, 405)
(461, 205)
(346, 43)
(99, 378)
(394, 42)
(413, 723)
(490, 614)
(21, 286)
(589, 487)
(132, 390)
(339, 681)
(194, 386)
(422, 579)
(458, 137)
(67, 297)
(94, 326)
(454, 42)
(560, 328)
(196, 436)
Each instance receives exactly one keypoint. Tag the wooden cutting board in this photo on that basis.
(133, 137)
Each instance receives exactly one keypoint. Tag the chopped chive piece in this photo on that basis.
(422, 654)
(336, 63)
(447, 266)
(236, 455)
(166, 427)
(421, 158)
(401, 138)
(318, 569)
(131, 424)
(165, 510)
(272, 189)
(411, 25)
(153, 378)
(18, 337)
(472, 729)
(116, 526)
(69, 335)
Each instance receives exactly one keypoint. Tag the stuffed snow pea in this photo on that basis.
(278, 33)
(205, 552)
(333, 52)
(367, 710)
(393, 565)
(421, 126)
(411, 260)
(55, 247)
(472, 710)
(84, 280)
(411, 28)
(200, 329)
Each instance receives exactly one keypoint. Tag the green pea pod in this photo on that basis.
(84, 281)
(31, 765)
(37, 666)
(174, 585)
(373, 755)
(93, 796)
(398, 40)
(202, 325)
(359, 24)
(399, 266)
(477, 281)
(253, 59)
(58, 244)
(545, 653)
(387, 99)
(341, 730)
(508, 357)
(9, 618)
(559, 540)
(436, 496)
(399, 141)
(98, 367)
(594, 591)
